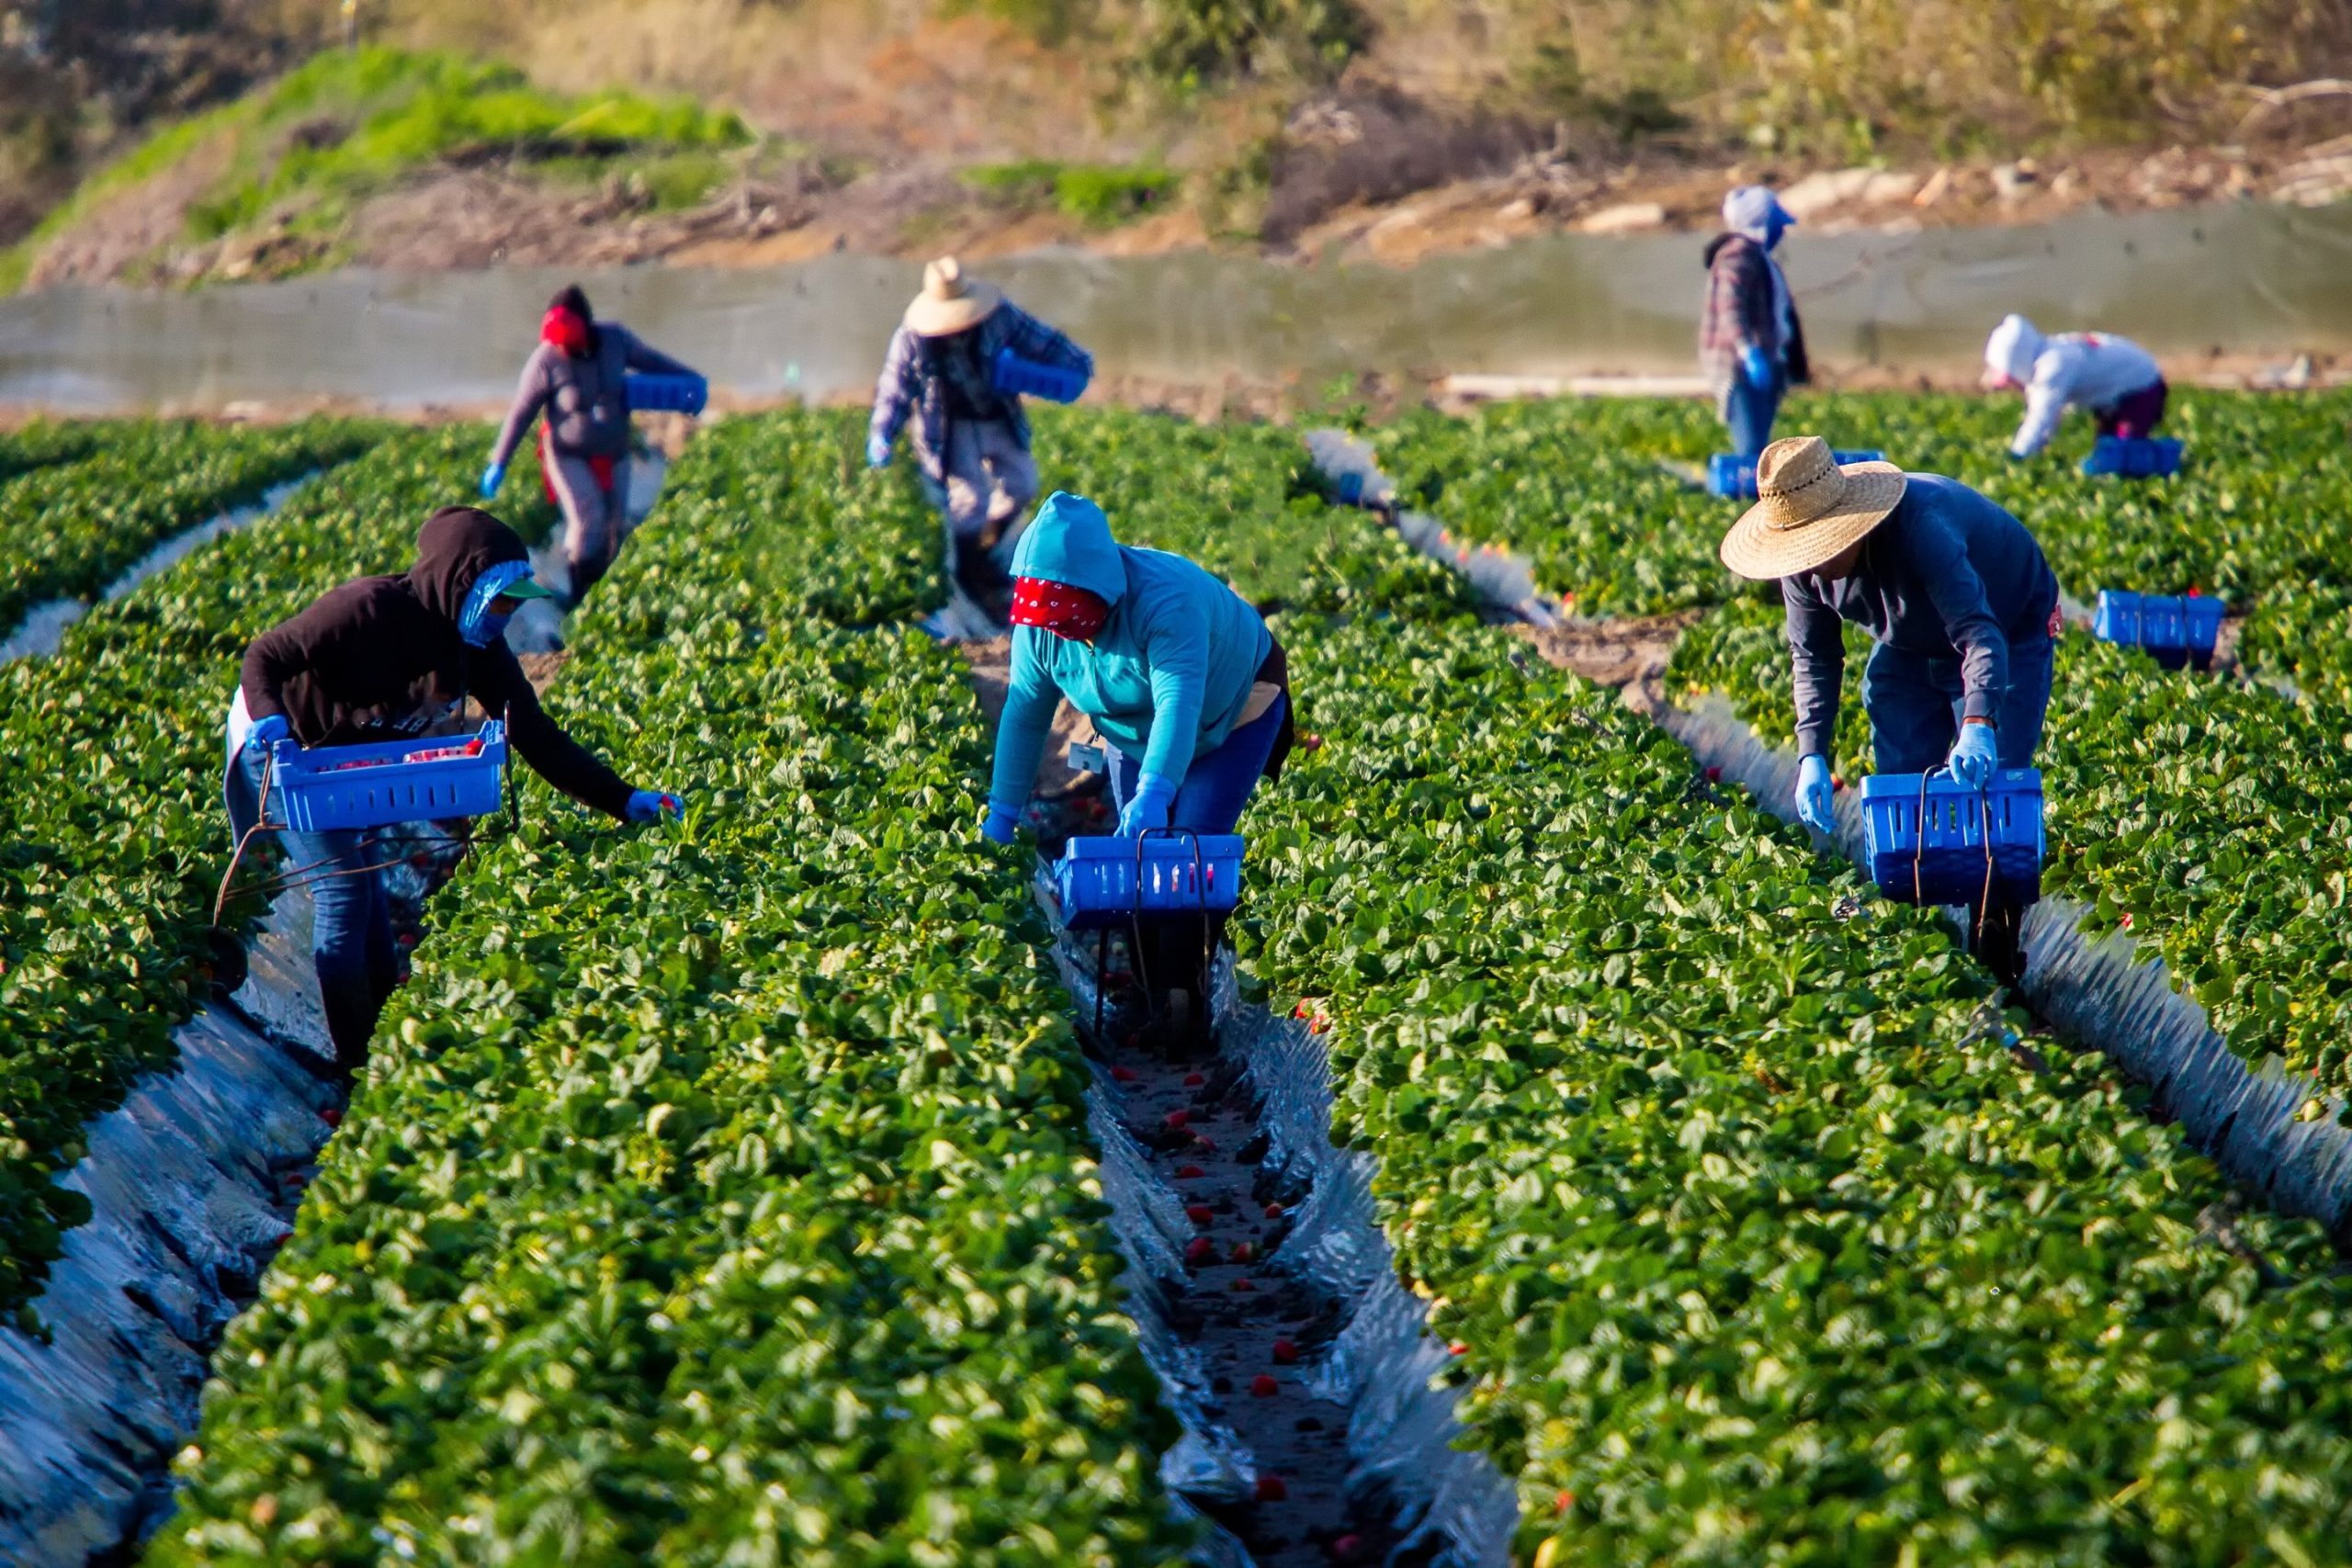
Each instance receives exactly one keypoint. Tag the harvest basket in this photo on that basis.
(666, 394)
(2133, 456)
(1026, 377)
(2176, 629)
(1734, 478)
(1106, 881)
(1930, 837)
(328, 787)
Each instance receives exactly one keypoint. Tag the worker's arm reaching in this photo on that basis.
(1022, 732)
(896, 391)
(1034, 341)
(2046, 399)
(531, 395)
(1818, 659)
(639, 354)
(505, 692)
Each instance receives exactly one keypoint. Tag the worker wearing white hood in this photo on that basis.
(2114, 378)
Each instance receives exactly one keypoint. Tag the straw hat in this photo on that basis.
(1807, 509)
(950, 302)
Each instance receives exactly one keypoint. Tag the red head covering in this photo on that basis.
(1058, 608)
(565, 328)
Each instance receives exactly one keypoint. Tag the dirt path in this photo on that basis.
(990, 667)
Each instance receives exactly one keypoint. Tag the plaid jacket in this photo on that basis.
(907, 387)
(1740, 311)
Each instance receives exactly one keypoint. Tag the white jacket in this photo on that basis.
(2092, 369)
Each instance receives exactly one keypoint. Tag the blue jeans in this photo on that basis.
(1749, 411)
(1218, 785)
(1913, 703)
(351, 915)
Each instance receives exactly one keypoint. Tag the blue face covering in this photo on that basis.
(477, 623)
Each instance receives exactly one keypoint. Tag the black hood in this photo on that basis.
(571, 297)
(456, 547)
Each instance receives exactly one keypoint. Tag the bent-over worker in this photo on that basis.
(579, 377)
(1954, 592)
(1178, 672)
(1750, 342)
(971, 439)
(2113, 376)
(385, 659)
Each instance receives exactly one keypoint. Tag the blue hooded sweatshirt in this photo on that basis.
(1164, 681)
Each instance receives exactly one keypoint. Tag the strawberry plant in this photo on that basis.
(68, 529)
(1765, 1238)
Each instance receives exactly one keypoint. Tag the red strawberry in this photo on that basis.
(1242, 1253)
(1199, 1213)
(1201, 1250)
(1242, 1287)
(1286, 1352)
(1310, 743)
(1271, 1489)
(1321, 1025)
(1263, 1386)
(1457, 1348)
(331, 1116)
(1175, 1119)
(1122, 1075)
(1715, 776)
(1562, 1502)
(1194, 1080)
(2195, 592)
(1346, 1548)
(1299, 1011)
(1837, 781)
(1203, 1144)
(1190, 1173)
(1273, 1210)
(422, 860)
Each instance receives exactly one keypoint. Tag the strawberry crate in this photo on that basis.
(1105, 881)
(1930, 838)
(1733, 477)
(321, 788)
(1026, 377)
(2133, 456)
(648, 393)
(2175, 628)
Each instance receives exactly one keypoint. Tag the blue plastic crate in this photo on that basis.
(2175, 628)
(1733, 477)
(648, 393)
(326, 787)
(1026, 377)
(2133, 456)
(1104, 881)
(1927, 836)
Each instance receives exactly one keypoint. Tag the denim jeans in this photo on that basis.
(1749, 411)
(1913, 703)
(351, 918)
(1218, 785)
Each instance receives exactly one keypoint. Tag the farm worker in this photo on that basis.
(1178, 672)
(971, 440)
(2114, 378)
(1750, 342)
(1953, 590)
(579, 377)
(383, 658)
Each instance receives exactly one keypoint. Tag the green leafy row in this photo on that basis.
(2204, 813)
(67, 530)
(115, 838)
(720, 1193)
(1765, 1238)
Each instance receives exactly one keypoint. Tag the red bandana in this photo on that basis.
(565, 329)
(1058, 608)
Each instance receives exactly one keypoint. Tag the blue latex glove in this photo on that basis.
(877, 452)
(267, 731)
(999, 827)
(647, 805)
(1814, 794)
(1755, 366)
(491, 478)
(1149, 807)
(1974, 757)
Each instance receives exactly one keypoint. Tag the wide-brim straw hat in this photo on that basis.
(1808, 510)
(950, 302)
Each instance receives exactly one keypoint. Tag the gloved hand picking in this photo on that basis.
(493, 477)
(266, 731)
(647, 805)
(1000, 825)
(877, 452)
(1975, 757)
(1814, 795)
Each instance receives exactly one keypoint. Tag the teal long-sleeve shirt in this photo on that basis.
(1164, 681)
